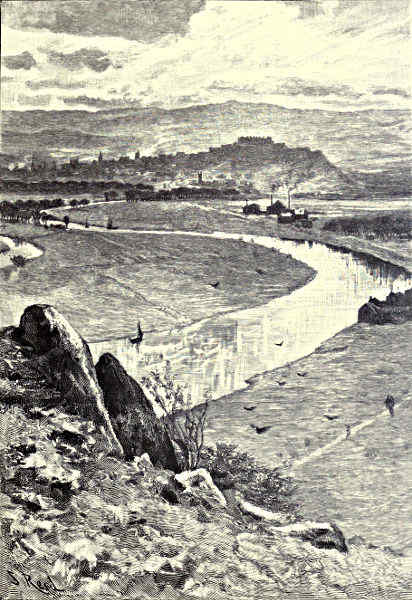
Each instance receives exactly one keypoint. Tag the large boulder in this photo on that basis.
(64, 358)
(134, 420)
(326, 536)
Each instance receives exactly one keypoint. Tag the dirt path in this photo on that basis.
(341, 438)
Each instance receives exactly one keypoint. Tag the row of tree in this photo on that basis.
(179, 193)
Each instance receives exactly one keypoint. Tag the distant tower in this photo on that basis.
(200, 178)
(100, 157)
(137, 155)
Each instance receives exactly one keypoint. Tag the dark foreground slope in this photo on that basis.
(78, 521)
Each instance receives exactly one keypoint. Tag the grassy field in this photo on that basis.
(104, 282)
(362, 483)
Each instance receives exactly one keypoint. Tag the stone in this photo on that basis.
(326, 536)
(263, 514)
(198, 481)
(134, 421)
(64, 358)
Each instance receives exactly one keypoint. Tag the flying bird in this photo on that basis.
(302, 374)
(139, 335)
(331, 417)
(249, 407)
(261, 429)
(280, 343)
(215, 285)
(281, 383)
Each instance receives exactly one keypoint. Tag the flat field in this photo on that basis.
(104, 282)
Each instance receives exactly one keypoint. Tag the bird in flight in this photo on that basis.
(261, 429)
(302, 374)
(281, 383)
(215, 285)
(249, 407)
(331, 417)
(280, 343)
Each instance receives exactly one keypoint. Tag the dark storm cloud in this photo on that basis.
(55, 83)
(141, 20)
(20, 61)
(391, 91)
(92, 58)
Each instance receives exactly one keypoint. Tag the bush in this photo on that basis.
(18, 260)
(258, 484)
(73, 203)
(382, 226)
(185, 424)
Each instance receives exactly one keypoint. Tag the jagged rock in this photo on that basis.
(397, 308)
(199, 481)
(134, 420)
(64, 358)
(327, 536)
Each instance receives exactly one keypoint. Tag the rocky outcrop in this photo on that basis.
(326, 536)
(134, 420)
(397, 308)
(62, 356)
(199, 483)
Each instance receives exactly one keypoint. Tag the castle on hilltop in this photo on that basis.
(254, 139)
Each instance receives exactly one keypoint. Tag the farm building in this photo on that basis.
(286, 216)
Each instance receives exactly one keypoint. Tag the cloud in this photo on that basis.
(55, 83)
(43, 100)
(140, 20)
(92, 58)
(24, 61)
(292, 86)
(391, 91)
(98, 102)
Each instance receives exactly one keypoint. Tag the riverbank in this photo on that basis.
(104, 281)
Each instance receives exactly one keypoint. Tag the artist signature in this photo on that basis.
(45, 585)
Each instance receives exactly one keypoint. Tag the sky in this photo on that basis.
(96, 54)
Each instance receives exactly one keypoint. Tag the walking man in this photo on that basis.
(390, 404)
(348, 431)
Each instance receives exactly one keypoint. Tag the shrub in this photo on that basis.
(185, 424)
(18, 260)
(258, 484)
(73, 202)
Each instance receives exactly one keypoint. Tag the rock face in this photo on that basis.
(62, 355)
(134, 420)
(397, 308)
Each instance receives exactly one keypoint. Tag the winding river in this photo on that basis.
(220, 353)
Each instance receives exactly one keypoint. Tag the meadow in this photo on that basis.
(104, 282)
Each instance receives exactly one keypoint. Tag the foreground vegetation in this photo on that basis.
(78, 523)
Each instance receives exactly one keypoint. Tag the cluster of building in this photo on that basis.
(284, 215)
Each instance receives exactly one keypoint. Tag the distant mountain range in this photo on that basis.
(369, 141)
